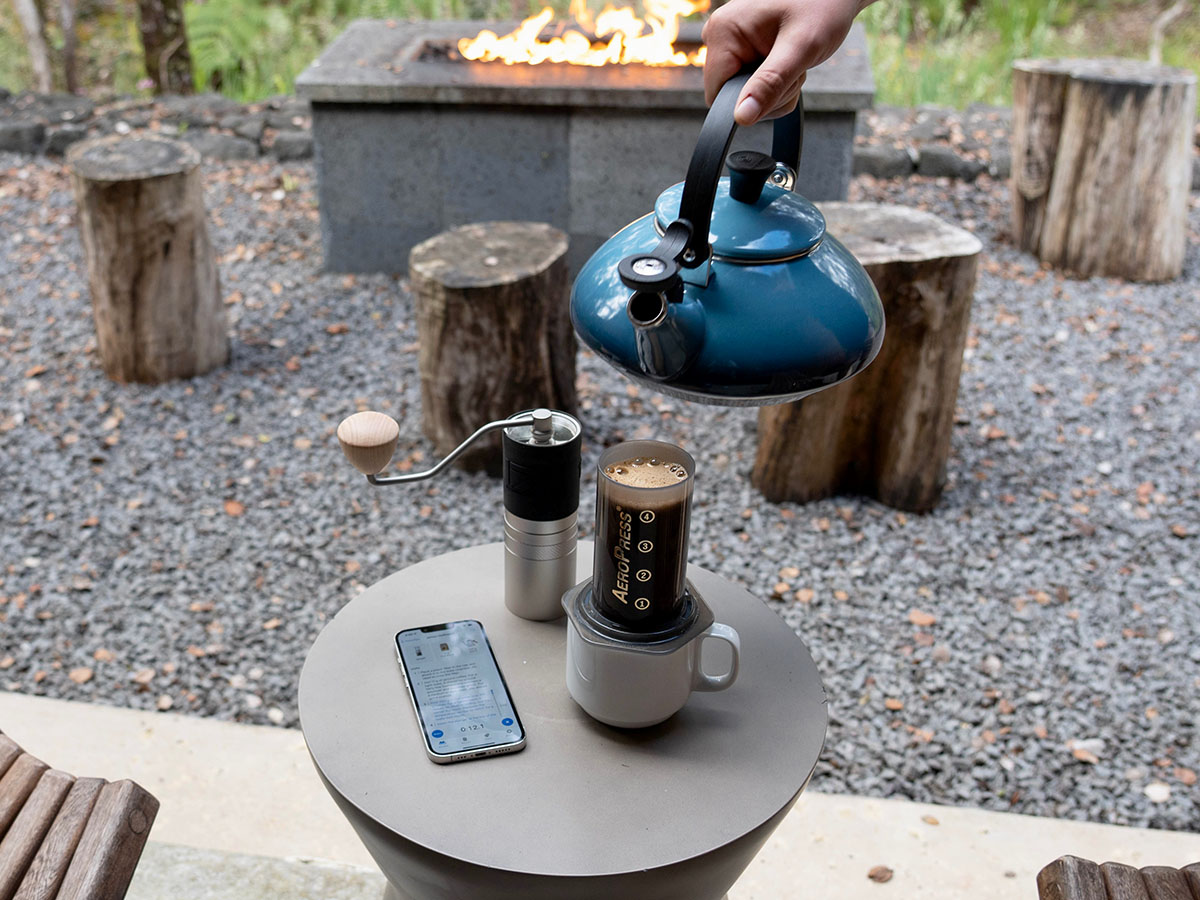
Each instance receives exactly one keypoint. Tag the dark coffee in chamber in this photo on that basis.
(643, 510)
(645, 472)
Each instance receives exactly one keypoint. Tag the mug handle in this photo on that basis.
(705, 682)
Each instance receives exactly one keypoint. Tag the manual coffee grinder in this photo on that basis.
(540, 465)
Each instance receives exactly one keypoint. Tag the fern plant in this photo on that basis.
(248, 49)
(233, 44)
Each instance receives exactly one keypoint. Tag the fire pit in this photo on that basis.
(412, 137)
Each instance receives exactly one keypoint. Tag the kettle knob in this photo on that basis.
(748, 172)
(369, 439)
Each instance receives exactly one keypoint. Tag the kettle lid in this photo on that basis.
(779, 225)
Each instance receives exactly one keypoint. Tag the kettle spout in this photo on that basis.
(668, 334)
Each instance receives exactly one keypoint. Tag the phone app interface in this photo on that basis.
(462, 702)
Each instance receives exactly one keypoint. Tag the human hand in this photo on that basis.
(790, 36)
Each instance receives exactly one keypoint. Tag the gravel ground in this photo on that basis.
(1032, 645)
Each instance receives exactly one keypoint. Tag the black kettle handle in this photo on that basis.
(708, 160)
(685, 241)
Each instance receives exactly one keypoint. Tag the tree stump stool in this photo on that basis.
(494, 328)
(1102, 165)
(885, 433)
(153, 277)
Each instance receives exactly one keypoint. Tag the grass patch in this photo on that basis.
(949, 53)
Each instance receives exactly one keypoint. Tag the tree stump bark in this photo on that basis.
(153, 277)
(886, 432)
(164, 45)
(1102, 165)
(494, 329)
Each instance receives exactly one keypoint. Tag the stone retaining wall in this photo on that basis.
(218, 127)
(894, 142)
(891, 142)
(937, 141)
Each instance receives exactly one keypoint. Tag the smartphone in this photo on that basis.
(462, 703)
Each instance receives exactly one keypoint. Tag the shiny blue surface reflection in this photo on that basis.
(770, 330)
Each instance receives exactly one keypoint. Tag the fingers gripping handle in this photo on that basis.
(706, 682)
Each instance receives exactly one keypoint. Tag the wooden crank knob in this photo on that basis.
(369, 439)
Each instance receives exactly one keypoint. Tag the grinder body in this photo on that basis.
(541, 511)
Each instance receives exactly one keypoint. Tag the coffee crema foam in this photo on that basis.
(646, 472)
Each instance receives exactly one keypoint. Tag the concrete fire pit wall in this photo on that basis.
(407, 147)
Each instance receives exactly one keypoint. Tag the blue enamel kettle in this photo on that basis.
(731, 292)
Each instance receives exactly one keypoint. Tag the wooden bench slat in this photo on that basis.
(1123, 882)
(1191, 874)
(9, 751)
(1070, 878)
(16, 786)
(1165, 883)
(21, 843)
(49, 866)
(111, 845)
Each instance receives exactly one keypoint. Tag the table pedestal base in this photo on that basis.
(423, 874)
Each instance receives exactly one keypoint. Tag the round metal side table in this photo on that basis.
(672, 812)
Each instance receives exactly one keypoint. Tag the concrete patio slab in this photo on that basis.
(240, 789)
(168, 870)
(222, 786)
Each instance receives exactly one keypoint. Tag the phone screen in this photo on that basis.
(461, 699)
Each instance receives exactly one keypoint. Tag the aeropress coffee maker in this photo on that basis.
(635, 629)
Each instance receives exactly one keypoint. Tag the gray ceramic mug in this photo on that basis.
(635, 686)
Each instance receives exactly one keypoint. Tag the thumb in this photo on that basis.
(779, 74)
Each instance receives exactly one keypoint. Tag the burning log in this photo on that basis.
(614, 37)
(494, 328)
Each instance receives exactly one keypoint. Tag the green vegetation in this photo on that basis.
(249, 50)
(109, 57)
(956, 52)
(246, 49)
(950, 52)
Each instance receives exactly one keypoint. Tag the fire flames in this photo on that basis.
(620, 37)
